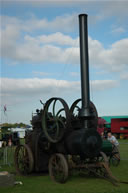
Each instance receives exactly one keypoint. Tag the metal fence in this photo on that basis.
(7, 156)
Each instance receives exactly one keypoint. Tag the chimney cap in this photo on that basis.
(83, 14)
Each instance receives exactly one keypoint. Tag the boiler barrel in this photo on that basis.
(84, 142)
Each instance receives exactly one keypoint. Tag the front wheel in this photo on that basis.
(58, 168)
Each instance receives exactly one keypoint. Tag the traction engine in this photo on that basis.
(66, 138)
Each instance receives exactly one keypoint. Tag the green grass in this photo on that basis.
(75, 183)
(124, 149)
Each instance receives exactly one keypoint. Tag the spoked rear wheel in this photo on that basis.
(23, 158)
(58, 168)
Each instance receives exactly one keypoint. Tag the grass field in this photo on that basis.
(75, 183)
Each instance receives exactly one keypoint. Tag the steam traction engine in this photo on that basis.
(66, 138)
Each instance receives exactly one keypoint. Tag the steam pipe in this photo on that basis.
(84, 63)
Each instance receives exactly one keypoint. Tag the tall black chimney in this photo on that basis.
(84, 61)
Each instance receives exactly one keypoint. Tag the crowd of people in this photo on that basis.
(6, 143)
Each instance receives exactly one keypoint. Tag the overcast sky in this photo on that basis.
(40, 55)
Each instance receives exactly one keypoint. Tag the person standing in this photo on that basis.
(115, 143)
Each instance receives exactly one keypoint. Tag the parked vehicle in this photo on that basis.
(117, 126)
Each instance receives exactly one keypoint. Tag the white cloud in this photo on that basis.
(64, 23)
(26, 48)
(124, 76)
(108, 9)
(100, 85)
(39, 73)
(34, 86)
(116, 58)
(56, 38)
(98, 11)
(24, 89)
(56, 47)
(46, 48)
(118, 30)
(23, 95)
(39, 49)
(112, 59)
